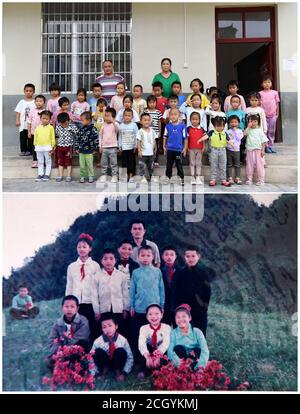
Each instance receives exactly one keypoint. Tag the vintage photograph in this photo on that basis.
(102, 299)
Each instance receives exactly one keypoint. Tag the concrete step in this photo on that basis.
(277, 174)
(281, 167)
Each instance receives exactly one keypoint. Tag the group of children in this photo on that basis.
(135, 308)
(130, 125)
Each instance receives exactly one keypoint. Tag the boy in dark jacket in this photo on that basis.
(191, 285)
(86, 143)
(71, 326)
(168, 269)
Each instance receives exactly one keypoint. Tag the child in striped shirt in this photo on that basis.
(156, 117)
(127, 143)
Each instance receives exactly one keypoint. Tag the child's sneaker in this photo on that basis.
(268, 150)
(212, 183)
(46, 178)
(22, 154)
(156, 164)
(27, 154)
(68, 179)
(131, 180)
(39, 178)
(230, 180)
(260, 182)
(199, 181)
(193, 181)
(144, 180)
(238, 181)
(58, 179)
(114, 179)
(91, 180)
(273, 150)
(82, 180)
(103, 179)
(34, 164)
(248, 182)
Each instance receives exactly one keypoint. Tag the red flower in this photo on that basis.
(72, 369)
(185, 378)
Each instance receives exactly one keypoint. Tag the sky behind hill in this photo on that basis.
(33, 220)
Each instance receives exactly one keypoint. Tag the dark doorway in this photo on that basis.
(245, 49)
(245, 62)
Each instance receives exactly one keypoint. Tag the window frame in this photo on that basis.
(243, 11)
(69, 16)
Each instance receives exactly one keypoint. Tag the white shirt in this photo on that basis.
(259, 111)
(212, 114)
(147, 140)
(156, 256)
(120, 342)
(188, 110)
(83, 289)
(163, 338)
(24, 108)
(112, 293)
(120, 114)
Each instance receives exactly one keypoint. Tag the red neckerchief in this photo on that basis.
(171, 271)
(82, 271)
(112, 347)
(154, 336)
(109, 273)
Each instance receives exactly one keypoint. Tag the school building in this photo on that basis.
(217, 42)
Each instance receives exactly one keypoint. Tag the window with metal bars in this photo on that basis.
(78, 37)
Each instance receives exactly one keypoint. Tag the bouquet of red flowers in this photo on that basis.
(185, 378)
(72, 369)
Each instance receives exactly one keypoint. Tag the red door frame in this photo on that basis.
(270, 40)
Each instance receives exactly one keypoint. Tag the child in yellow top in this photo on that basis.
(198, 88)
(44, 143)
(98, 116)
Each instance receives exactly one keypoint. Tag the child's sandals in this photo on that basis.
(226, 183)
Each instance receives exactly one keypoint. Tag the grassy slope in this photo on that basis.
(257, 347)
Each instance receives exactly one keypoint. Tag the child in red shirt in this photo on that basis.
(162, 102)
(196, 138)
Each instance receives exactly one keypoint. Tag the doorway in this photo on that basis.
(246, 62)
(245, 49)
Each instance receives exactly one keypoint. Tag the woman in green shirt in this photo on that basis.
(166, 77)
